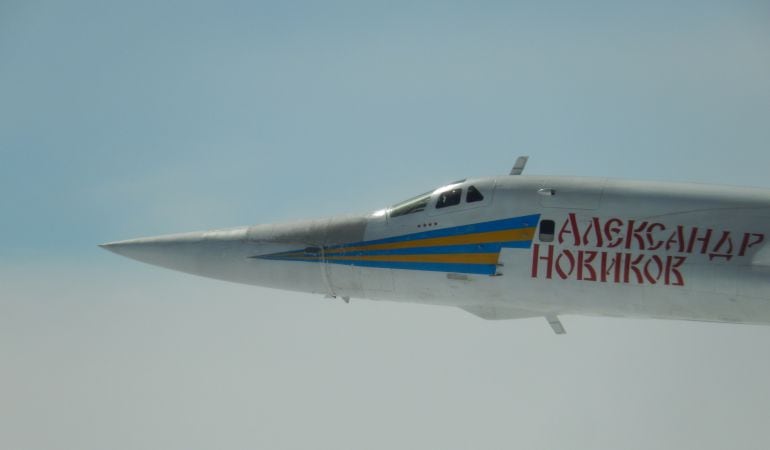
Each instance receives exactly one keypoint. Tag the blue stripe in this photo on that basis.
(495, 225)
(437, 250)
(516, 244)
(479, 269)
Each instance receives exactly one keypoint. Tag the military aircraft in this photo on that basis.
(513, 246)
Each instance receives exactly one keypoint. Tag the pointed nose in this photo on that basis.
(195, 252)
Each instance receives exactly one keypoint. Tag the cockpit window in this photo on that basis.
(449, 198)
(473, 195)
(410, 206)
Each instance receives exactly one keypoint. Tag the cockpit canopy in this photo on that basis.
(446, 197)
(413, 205)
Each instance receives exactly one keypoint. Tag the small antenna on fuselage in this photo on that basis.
(518, 168)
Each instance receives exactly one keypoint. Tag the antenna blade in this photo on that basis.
(555, 323)
(518, 168)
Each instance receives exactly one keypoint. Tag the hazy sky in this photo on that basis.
(127, 119)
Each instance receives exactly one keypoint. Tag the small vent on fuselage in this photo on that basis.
(547, 230)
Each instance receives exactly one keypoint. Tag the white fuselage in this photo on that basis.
(514, 246)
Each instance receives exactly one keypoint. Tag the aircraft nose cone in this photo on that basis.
(192, 252)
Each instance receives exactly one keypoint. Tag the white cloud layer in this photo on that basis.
(140, 359)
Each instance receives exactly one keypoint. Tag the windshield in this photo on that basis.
(412, 205)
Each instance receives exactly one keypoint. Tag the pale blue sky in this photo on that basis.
(126, 119)
(121, 119)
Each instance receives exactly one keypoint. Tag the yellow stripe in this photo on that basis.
(523, 234)
(460, 258)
